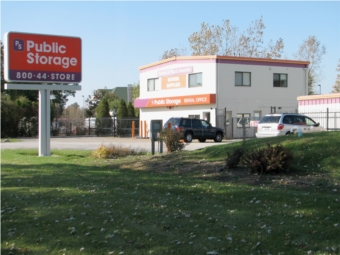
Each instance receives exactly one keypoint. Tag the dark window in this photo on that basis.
(280, 80)
(242, 79)
(270, 119)
(186, 122)
(299, 120)
(196, 123)
(288, 120)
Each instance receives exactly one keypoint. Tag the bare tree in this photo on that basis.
(250, 43)
(336, 87)
(274, 50)
(230, 38)
(311, 50)
(207, 41)
(226, 40)
(170, 53)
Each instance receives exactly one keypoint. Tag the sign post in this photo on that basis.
(35, 60)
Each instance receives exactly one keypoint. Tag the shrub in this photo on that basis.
(234, 157)
(269, 159)
(172, 140)
(114, 152)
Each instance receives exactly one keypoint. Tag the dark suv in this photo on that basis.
(195, 129)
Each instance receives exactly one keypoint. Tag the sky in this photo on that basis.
(118, 37)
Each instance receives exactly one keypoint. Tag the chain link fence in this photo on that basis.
(329, 120)
(245, 127)
(121, 127)
(242, 126)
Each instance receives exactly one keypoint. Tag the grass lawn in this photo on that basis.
(179, 203)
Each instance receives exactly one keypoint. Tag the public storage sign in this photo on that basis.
(42, 58)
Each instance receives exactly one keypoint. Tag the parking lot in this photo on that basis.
(92, 143)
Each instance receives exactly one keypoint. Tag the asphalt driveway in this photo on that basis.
(92, 143)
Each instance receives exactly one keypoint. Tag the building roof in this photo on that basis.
(322, 96)
(120, 92)
(230, 59)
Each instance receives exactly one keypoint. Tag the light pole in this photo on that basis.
(320, 89)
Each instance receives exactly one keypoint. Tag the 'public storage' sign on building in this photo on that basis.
(42, 58)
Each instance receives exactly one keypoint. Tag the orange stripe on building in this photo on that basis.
(182, 100)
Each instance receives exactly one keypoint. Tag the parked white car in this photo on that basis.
(286, 123)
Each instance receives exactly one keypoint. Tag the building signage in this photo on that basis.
(176, 101)
(42, 58)
(174, 82)
(176, 71)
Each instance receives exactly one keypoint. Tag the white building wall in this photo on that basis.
(261, 95)
(218, 78)
(324, 109)
(319, 103)
(208, 70)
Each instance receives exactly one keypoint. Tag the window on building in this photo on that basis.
(243, 119)
(195, 80)
(153, 84)
(280, 80)
(242, 79)
(194, 116)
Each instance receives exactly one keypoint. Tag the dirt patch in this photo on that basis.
(204, 169)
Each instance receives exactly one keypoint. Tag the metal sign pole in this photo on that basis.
(44, 123)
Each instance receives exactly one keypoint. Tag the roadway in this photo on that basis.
(93, 143)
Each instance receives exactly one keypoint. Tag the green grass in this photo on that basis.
(72, 203)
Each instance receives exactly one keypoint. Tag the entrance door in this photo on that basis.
(206, 116)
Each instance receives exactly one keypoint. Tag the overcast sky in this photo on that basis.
(119, 37)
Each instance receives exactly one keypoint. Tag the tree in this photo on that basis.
(226, 40)
(103, 118)
(230, 39)
(122, 109)
(135, 91)
(135, 95)
(94, 100)
(114, 104)
(130, 110)
(336, 87)
(103, 110)
(311, 50)
(207, 41)
(170, 53)
(251, 43)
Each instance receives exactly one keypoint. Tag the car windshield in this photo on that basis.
(270, 119)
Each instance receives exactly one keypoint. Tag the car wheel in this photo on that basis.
(202, 140)
(218, 138)
(188, 137)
